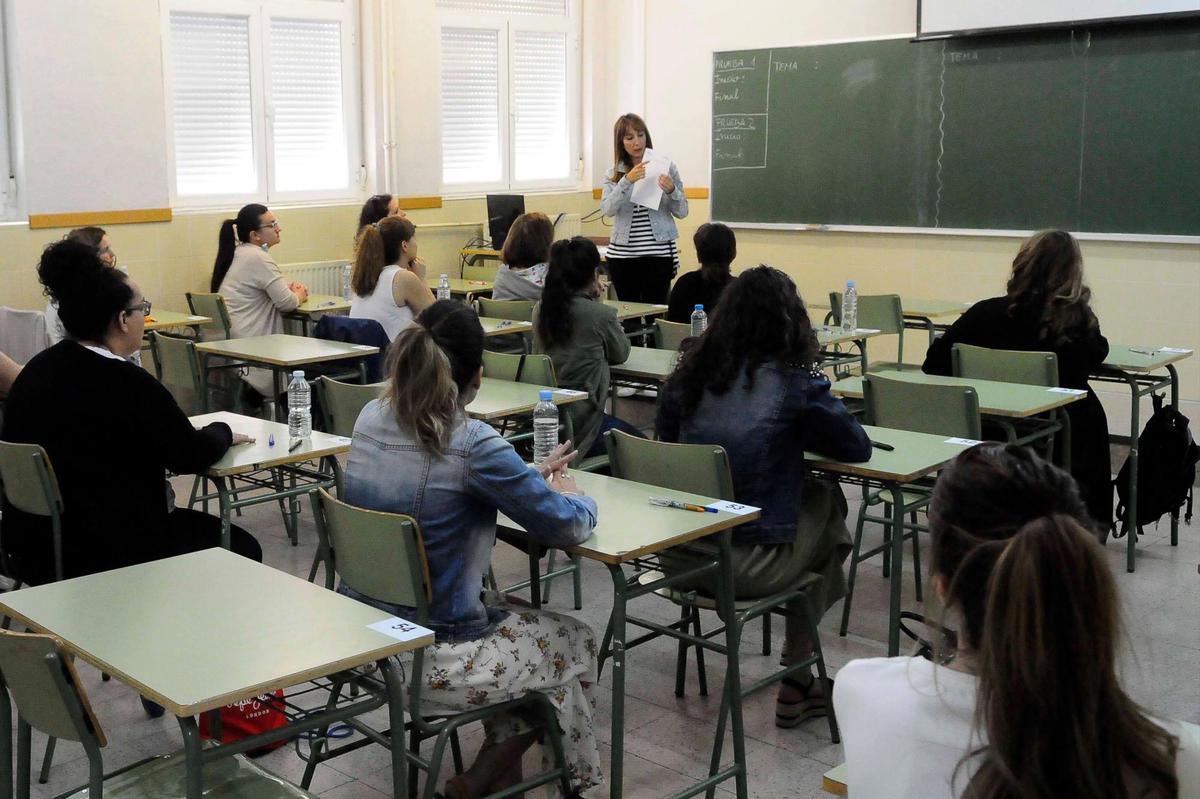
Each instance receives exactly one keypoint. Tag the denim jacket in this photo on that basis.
(454, 498)
(766, 428)
(615, 202)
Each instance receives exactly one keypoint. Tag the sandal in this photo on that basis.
(814, 703)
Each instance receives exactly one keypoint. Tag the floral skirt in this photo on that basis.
(531, 650)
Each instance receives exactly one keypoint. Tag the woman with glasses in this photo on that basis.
(111, 431)
(96, 237)
(255, 291)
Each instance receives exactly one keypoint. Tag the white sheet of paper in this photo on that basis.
(1173, 349)
(970, 442)
(733, 507)
(570, 392)
(646, 191)
(1059, 390)
(400, 629)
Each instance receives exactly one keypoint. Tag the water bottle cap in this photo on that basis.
(298, 373)
(546, 395)
(851, 284)
(699, 307)
(445, 277)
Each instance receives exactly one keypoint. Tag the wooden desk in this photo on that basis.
(920, 312)
(646, 364)
(156, 625)
(636, 310)
(498, 399)
(160, 320)
(828, 336)
(629, 528)
(1136, 367)
(311, 309)
(834, 781)
(504, 327)
(466, 289)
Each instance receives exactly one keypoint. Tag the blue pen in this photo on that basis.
(271, 440)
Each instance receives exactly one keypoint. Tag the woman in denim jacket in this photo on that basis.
(642, 256)
(416, 452)
(752, 385)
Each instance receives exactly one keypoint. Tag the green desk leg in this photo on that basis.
(617, 653)
(1131, 508)
(195, 759)
(6, 725)
(862, 351)
(395, 689)
(277, 378)
(223, 500)
(732, 697)
(897, 569)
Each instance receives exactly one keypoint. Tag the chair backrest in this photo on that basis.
(212, 306)
(536, 370)
(1007, 366)
(23, 334)
(921, 407)
(28, 479)
(179, 369)
(46, 688)
(669, 335)
(380, 555)
(481, 271)
(517, 310)
(882, 312)
(343, 402)
(694, 468)
(335, 327)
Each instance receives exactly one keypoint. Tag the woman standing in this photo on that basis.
(388, 279)
(642, 256)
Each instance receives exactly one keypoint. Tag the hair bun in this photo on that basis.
(69, 268)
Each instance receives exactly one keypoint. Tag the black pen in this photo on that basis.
(883, 446)
(296, 445)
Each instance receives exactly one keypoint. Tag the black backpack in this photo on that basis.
(1167, 457)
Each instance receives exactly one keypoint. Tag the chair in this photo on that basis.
(516, 310)
(382, 555)
(480, 271)
(342, 402)
(29, 485)
(952, 411)
(49, 696)
(669, 335)
(881, 312)
(212, 306)
(704, 469)
(23, 334)
(334, 327)
(535, 370)
(179, 370)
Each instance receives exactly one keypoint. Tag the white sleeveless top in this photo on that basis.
(381, 305)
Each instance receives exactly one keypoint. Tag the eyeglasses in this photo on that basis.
(273, 225)
(143, 306)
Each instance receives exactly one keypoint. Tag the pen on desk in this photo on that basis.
(295, 445)
(883, 446)
(1143, 352)
(327, 304)
(674, 503)
(271, 440)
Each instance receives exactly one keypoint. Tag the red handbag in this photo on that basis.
(250, 717)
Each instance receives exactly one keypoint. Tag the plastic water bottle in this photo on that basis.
(545, 426)
(346, 283)
(299, 409)
(850, 307)
(443, 292)
(699, 320)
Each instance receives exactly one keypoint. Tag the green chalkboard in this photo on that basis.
(1090, 130)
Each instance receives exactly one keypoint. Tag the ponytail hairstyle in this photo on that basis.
(431, 365)
(572, 270)
(233, 231)
(528, 241)
(378, 246)
(88, 293)
(1038, 607)
(716, 247)
(376, 208)
(1047, 283)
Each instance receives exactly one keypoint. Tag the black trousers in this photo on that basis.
(193, 530)
(642, 279)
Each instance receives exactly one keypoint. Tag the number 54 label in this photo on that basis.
(400, 629)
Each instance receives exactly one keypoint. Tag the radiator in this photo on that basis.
(568, 225)
(321, 277)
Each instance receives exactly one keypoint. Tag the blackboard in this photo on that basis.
(1091, 130)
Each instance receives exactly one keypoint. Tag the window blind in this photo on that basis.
(470, 105)
(540, 8)
(539, 84)
(210, 78)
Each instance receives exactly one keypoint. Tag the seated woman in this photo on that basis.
(388, 279)
(376, 209)
(582, 337)
(751, 383)
(522, 274)
(255, 291)
(97, 238)
(416, 452)
(1047, 307)
(112, 432)
(1030, 702)
(716, 247)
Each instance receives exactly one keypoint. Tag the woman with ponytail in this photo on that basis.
(255, 291)
(388, 279)
(415, 451)
(1029, 705)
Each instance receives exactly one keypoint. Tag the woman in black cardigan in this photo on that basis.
(1047, 309)
(111, 430)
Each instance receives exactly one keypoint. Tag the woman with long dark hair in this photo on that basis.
(1030, 705)
(1048, 307)
(388, 279)
(752, 384)
(377, 208)
(582, 337)
(416, 451)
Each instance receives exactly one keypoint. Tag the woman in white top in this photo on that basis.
(388, 279)
(525, 255)
(255, 291)
(97, 239)
(1029, 706)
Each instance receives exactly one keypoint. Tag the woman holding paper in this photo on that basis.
(644, 196)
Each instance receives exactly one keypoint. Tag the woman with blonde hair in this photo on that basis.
(388, 279)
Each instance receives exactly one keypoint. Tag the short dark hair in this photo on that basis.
(716, 247)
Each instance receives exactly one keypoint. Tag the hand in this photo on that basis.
(666, 184)
(417, 267)
(300, 290)
(563, 483)
(558, 459)
(636, 174)
(242, 438)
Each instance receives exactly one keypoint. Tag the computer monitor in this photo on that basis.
(502, 211)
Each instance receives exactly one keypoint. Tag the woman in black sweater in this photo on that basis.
(1047, 308)
(716, 248)
(112, 432)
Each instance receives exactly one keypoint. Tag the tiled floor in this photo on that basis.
(668, 740)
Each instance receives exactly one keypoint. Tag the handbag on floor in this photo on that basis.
(250, 717)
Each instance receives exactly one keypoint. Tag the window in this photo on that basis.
(262, 100)
(509, 94)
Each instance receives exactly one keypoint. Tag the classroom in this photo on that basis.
(788, 276)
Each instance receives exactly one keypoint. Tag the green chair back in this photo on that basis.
(212, 306)
(380, 555)
(881, 312)
(517, 310)
(669, 335)
(343, 402)
(694, 468)
(920, 407)
(480, 271)
(1007, 366)
(536, 370)
(28, 482)
(46, 688)
(179, 370)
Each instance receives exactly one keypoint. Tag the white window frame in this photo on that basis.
(11, 201)
(506, 26)
(259, 14)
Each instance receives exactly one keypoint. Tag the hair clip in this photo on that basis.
(377, 225)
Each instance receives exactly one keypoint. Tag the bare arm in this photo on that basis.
(9, 369)
(409, 289)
